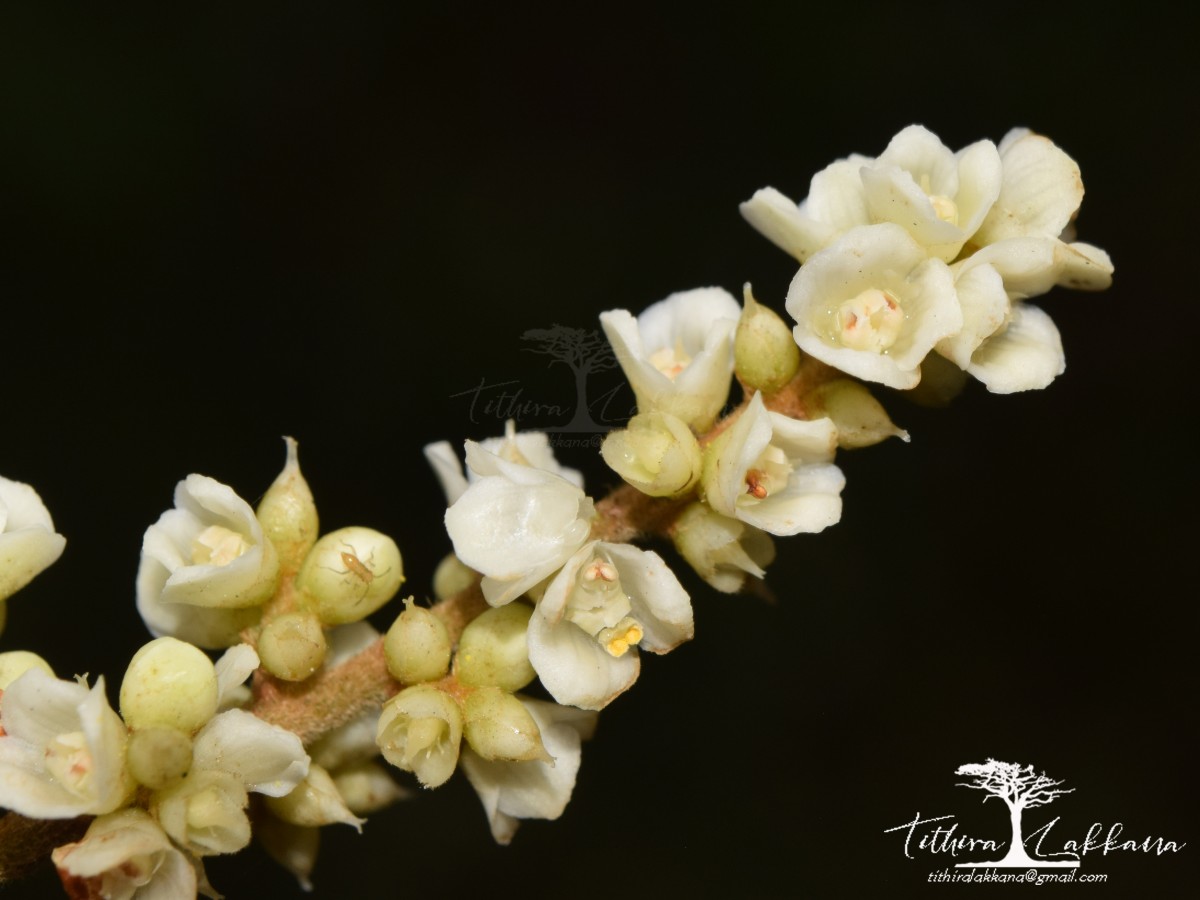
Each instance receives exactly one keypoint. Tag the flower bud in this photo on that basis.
(315, 801)
(721, 550)
(493, 651)
(452, 576)
(417, 646)
(656, 453)
(169, 683)
(159, 757)
(15, 663)
(292, 646)
(350, 573)
(420, 730)
(288, 514)
(860, 419)
(498, 727)
(765, 353)
(367, 787)
(205, 813)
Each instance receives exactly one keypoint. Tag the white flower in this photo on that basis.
(236, 752)
(517, 524)
(608, 600)
(678, 354)
(775, 472)
(530, 448)
(28, 541)
(722, 550)
(62, 749)
(873, 304)
(939, 197)
(532, 789)
(206, 566)
(126, 854)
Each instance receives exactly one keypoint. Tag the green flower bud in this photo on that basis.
(765, 353)
(498, 727)
(493, 651)
(721, 550)
(15, 663)
(860, 419)
(170, 684)
(452, 576)
(159, 757)
(656, 453)
(292, 646)
(417, 646)
(205, 813)
(350, 573)
(288, 514)
(419, 731)
(315, 801)
(367, 787)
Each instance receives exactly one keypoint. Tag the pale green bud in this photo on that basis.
(452, 576)
(860, 419)
(493, 650)
(723, 551)
(288, 514)
(15, 663)
(350, 573)
(656, 453)
(765, 354)
(499, 727)
(169, 683)
(367, 787)
(419, 731)
(159, 757)
(417, 646)
(292, 646)
(315, 801)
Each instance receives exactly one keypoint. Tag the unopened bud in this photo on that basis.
(159, 757)
(452, 576)
(493, 649)
(350, 573)
(205, 813)
(765, 353)
(861, 420)
(723, 551)
(367, 787)
(292, 646)
(15, 663)
(498, 727)
(420, 730)
(315, 801)
(169, 683)
(656, 453)
(288, 514)
(417, 646)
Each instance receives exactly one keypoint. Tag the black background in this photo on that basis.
(327, 220)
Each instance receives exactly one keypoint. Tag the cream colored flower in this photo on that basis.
(678, 354)
(206, 566)
(62, 749)
(28, 541)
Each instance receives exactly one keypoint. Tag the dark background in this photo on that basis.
(225, 226)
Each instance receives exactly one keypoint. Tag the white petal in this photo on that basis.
(893, 196)
(1041, 191)
(28, 541)
(980, 174)
(779, 220)
(810, 503)
(265, 758)
(1027, 355)
(660, 603)
(233, 668)
(985, 306)
(444, 462)
(921, 153)
(573, 666)
(836, 196)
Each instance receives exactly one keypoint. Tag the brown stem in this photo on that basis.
(25, 843)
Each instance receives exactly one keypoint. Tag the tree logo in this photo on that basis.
(1020, 789)
(584, 352)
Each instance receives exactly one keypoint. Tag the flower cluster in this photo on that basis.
(539, 616)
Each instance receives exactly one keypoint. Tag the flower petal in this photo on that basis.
(573, 666)
(1026, 355)
(265, 758)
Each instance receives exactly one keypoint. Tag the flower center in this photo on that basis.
(424, 737)
(217, 545)
(768, 474)
(670, 360)
(870, 321)
(69, 761)
(943, 207)
(600, 606)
